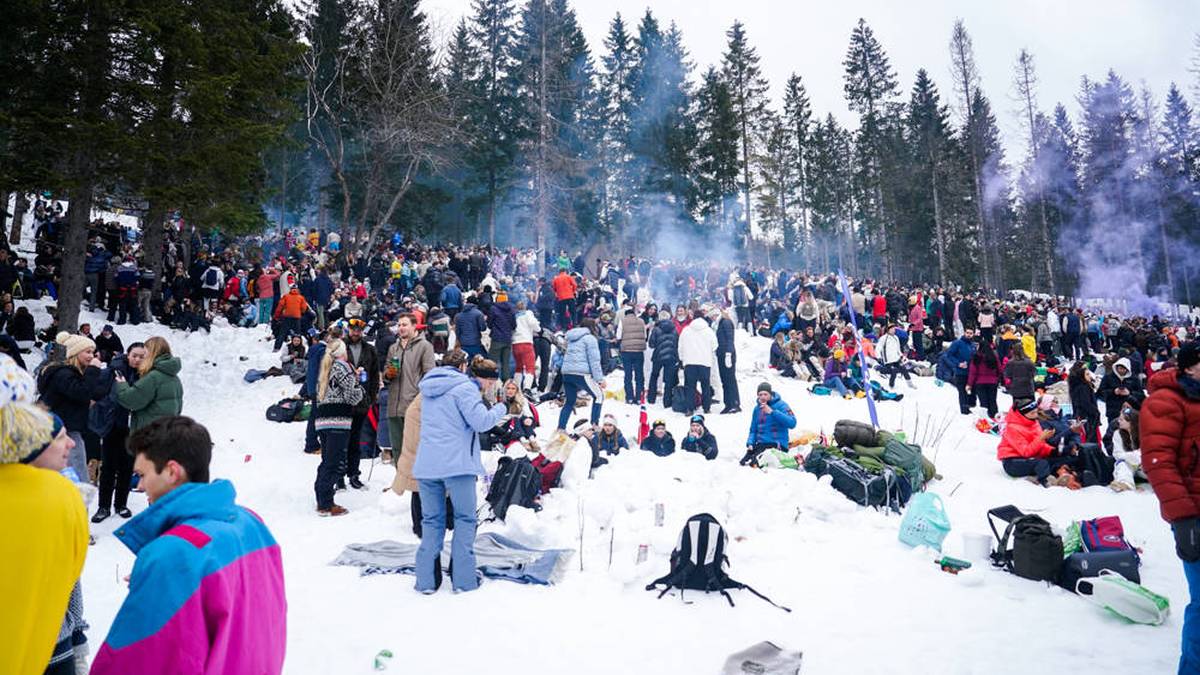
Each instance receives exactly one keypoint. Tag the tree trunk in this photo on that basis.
(152, 239)
(5, 195)
(491, 207)
(938, 229)
(21, 206)
(1166, 248)
(283, 182)
(70, 290)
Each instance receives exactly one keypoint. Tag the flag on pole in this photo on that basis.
(643, 423)
(862, 357)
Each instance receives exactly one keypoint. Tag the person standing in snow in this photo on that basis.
(212, 281)
(409, 359)
(664, 340)
(1170, 438)
(43, 531)
(68, 389)
(362, 356)
(206, 594)
(727, 363)
(769, 424)
(453, 414)
(581, 372)
(631, 333)
(697, 350)
(891, 356)
(157, 391)
(338, 391)
(116, 465)
(958, 356)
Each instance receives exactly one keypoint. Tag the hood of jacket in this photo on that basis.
(168, 365)
(577, 333)
(1123, 362)
(441, 380)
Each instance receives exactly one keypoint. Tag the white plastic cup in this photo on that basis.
(976, 546)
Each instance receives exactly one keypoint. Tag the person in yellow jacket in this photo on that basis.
(43, 540)
(1029, 344)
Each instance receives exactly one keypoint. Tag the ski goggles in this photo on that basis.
(356, 324)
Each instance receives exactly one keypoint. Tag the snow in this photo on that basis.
(862, 601)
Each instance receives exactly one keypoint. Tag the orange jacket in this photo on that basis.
(1022, 439)
(292, 306)
(564, 286)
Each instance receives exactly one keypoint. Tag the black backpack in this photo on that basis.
(682, 400)
(1096, 466)
(517, 481)
(698, 562)
(210, 277)
(1036, 553)
(849, 433)
(285, 410)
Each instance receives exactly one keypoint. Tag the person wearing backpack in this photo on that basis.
(211, 283)
(769, 424)
(1170, 440)
(453, 414)
(116, 464)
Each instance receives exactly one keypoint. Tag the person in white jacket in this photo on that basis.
(697, 353)
(891, 357)
(522, 345)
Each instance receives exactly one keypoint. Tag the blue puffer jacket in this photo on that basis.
(469, 326)
(772, 427)
(97, 261)
(583, 354)
(451, 297)
(503, 321)
(959, 351)
(323, 290)
(448, 447)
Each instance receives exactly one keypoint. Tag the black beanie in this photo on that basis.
(1188, 356)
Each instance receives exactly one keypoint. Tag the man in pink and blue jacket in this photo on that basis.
(206, 594)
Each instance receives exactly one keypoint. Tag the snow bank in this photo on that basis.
(863, 602)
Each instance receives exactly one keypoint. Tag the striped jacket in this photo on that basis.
(206, 594)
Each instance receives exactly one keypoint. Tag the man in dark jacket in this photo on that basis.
(700, 439)
(108, 344)
(468, 329)
(364, 359)
(727, 363)
(502, 321)
(665, 343)
(322, 295)
(116, 464)
(316, 352)
(94, 268)
(660, 441)
(958, 356)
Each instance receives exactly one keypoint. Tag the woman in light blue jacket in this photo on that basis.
(453, 414)
(581, 371)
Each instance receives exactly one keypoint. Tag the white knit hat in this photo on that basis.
(16, 384)
(74, 344)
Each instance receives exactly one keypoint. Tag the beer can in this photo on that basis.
(643, 553)
(659, 514)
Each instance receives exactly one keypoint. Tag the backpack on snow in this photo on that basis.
(550, 471)
(680, 402)
(865, 488)
(517, 481)
(285, 410)
(1095, 466)
(1036, 553)
(907, 457)
(698, 562)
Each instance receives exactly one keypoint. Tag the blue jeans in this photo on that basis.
(634, 365)
(572, 385)
(473, 350)
(1189, 660)
(265, 307)
(433, 533)
(836, 384)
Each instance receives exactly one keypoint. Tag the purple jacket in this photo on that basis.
(206, 595)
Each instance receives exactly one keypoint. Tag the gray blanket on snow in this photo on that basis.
(496, 557)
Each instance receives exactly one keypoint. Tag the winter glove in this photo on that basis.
(748, 459)
(1187, 539)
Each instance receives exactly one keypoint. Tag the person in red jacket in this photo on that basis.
(1170, 438)
(564, 292)
(1023, 450)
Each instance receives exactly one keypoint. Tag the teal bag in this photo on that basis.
(925, 522)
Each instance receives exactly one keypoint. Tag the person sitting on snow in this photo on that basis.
(660, 441)
(769, 424)
(609, 441)
(1024, 450)
(700, 439)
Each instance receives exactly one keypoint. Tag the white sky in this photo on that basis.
(1143, 40)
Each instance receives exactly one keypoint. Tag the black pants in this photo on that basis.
(670, 375)
(116, 470)
(986, 393)
(892, 370)
(634, 365)
(1019, 467)
(353, 449)
(566, 314)
(754, 451)
(918, 342)
(697, 375)
(729, 390)
(333, 455)
(541, 348)
(965, 401)
(415, 507)
(311, 442)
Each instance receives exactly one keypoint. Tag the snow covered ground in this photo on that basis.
(862, 601)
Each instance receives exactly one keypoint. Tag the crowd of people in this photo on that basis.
(443, 351)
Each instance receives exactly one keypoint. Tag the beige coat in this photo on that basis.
(408, 449)
(414, 362)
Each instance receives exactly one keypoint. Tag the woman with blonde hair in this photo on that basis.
(338, 391)
(157, 392)
(68, 388)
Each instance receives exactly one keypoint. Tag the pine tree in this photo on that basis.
(870, 86)
(1180, 156)
(829, 157)
(1025, 84)
(495, 105)
(748, 90)
(617, 85)
(777, 182)
(717, 153)
(930, 137)
(798, 122)
(966, 85)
